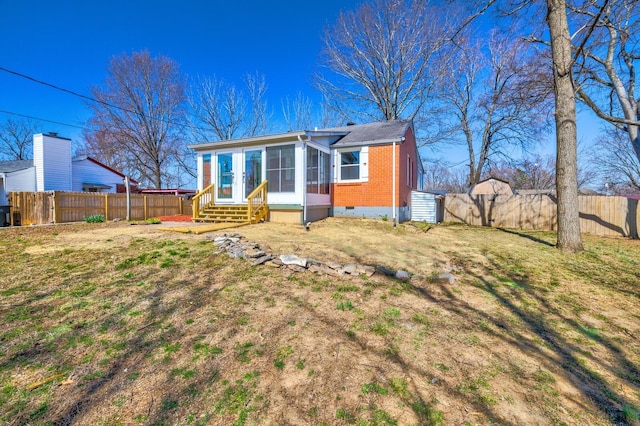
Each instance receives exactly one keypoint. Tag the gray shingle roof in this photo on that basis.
(14, 166)
(371, 133)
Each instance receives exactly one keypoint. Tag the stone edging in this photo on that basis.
(236, 246)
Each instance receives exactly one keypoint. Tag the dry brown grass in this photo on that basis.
(115, 324)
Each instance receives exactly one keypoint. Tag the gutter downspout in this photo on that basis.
(393, 191)
(393, 180)
(304, 180)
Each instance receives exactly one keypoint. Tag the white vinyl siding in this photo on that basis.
(86, 171)
(52, 160)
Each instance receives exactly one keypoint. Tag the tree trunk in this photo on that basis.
(569, 239)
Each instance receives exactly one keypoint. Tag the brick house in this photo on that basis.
(366, 170)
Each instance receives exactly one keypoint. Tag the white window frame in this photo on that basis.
(363, 165)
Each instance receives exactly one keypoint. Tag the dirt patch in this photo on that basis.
(99, 236)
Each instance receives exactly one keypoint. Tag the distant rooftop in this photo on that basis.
(15, 165)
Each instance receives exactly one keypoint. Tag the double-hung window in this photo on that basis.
(350, 165)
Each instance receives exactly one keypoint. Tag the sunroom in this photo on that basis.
(289, 173)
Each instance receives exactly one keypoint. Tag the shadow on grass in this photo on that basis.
(566, 355)
(527, 236)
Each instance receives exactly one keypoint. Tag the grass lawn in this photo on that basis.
(112, 324)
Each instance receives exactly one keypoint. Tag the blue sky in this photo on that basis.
(69, 43)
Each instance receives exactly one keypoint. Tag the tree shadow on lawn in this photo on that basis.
(414, 399)
(527, 236)
(593, 386)
(91, 386)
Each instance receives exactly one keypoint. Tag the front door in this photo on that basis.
(225, 178)
(252, 171)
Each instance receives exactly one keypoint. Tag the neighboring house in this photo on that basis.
(53, 169)
(366, 170)
(492, 186)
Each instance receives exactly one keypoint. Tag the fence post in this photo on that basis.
(56, 211)
(181, 205)
(145, 207)
(106, 207)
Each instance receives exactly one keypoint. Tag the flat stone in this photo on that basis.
(292, 259)
(253, 253)
(272, 264)
(365, 269)
(350, 268)
(261, 260)
(278, 262)
(317, 269)
(325, 270)
(334, 265)
(403, 275)
(446, 278)
(296, 268)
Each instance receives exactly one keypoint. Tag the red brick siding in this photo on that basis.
(378, 190)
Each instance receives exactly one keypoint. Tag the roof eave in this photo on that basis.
(338, 144)
(256, 140)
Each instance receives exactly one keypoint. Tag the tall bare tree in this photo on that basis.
(607, 50)
(491, 100)
(382, 58)
(222, 111)
(139, 117)
(16, 139)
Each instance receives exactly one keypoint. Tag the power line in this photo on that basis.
(42, 119)
(89, 98)
(53, 86)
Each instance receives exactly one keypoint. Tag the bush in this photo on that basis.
(96, 218)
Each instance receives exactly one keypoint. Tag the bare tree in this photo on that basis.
(382, 58)
(16, 139)
(139, 116)
(223, 111)
(441, 176)
(491, 101)
(617, 163)
(531, 173)
(607, 50)
(298, 112)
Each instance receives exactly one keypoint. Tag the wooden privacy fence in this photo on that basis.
(599, 215)
(38, 208)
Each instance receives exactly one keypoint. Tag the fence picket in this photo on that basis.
(599, 215)
(37, 208)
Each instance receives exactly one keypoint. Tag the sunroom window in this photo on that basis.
(281, 169)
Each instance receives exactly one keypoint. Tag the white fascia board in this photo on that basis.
(258, 140)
